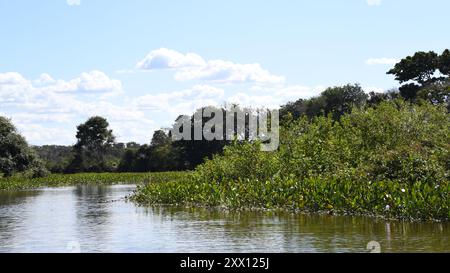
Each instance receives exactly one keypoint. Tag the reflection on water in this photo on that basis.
(99, 220)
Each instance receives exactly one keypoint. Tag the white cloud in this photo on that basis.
(17, 90)
(181, 102)
(88, 82)
(47, 111)
(373, 2)
(164, 58)
(381, 61)
(73, 2)
(191, 66)
(218, 71)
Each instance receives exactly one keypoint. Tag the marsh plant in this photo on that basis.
(391, 160)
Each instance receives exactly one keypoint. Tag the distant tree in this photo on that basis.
(376, 98)
(15, 154)
(341, 100)
(423, 70)
(436, 93)
(420, 68)
(56, 158)
(160, 138)
(133, 145)
(127, 163)
(335, 101)
(444, 63)
(94, 138)
(160, 156)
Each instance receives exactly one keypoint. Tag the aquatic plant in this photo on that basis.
(392, 160)
(56, 180)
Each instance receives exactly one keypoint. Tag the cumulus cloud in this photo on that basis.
(16, 89)
(164, 58)
(43, 108)
(373, 2)
(381, 61)
(47, 110)
(172, 104)
(218, 71)
(191, 66)
(73, 2)
(181, 102)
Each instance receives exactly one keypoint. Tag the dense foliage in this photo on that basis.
(425, 75)
(390, 160)
(16, 157)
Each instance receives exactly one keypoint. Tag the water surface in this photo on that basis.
(98, 219)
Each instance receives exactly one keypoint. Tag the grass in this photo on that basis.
(60, 180)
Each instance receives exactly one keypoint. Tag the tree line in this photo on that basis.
(425, 76)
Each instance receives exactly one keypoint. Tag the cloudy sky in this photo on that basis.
(142, 63)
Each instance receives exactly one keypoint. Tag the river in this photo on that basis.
(98, 219)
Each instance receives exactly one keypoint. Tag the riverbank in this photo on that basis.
(59, 180)
(390, 161)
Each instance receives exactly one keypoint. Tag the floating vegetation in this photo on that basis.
(57, 180)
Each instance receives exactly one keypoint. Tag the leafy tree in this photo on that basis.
(127, 163)
(15, 154)
(56, 157)
(160, 156)
(377, 98)
(419, 68)
(160, 138)
(94, 138)
(436, 93)
(423, 70)
(444, 63)
(341, 100)
(335, 101)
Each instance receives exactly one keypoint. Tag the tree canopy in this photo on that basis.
(424, 71)
(93, 140)
(334, 100)
(15, 154)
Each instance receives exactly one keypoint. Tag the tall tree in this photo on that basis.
(15, 154)
(444, 63)
(423, 70)
(160, 138)
(94, 138)
(419, 68)
(335, 101)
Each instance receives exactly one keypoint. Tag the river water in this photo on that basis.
(98, 219)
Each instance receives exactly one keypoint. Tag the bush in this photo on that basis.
(390, 160)
(16, 157)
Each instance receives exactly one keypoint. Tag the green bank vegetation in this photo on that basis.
(60, 180)
(391, 160)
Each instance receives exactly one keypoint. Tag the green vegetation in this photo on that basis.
(57, 180)
(425, 75)
(391, 160)
(15, 154)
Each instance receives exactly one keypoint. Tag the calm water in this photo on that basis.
(97, 219)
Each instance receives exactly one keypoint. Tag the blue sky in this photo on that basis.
(141, 63)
